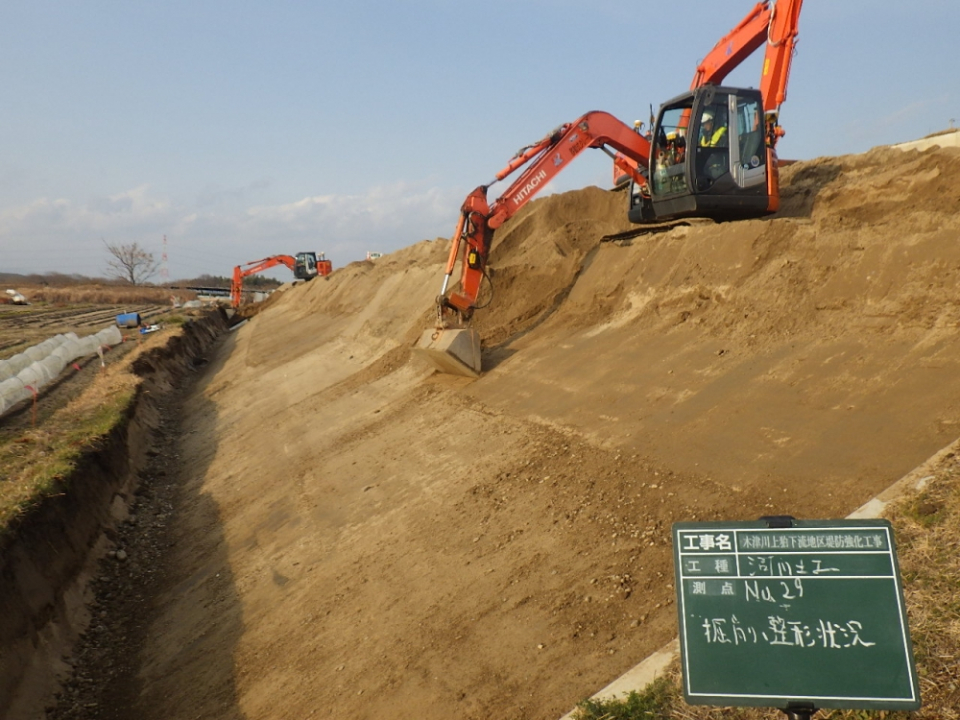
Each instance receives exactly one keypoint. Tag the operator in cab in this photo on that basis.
(710, 135)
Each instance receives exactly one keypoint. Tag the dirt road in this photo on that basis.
(357, 537)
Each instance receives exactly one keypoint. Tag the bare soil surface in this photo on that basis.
(330, 529)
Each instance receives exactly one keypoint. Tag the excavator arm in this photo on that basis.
(781, 45)
(540, 162)
(771, 22)
(252, 268)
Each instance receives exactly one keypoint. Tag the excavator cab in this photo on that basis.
(308, 265)
(708, 158)
(305, 266)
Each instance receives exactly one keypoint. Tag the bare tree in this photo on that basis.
(131, 262)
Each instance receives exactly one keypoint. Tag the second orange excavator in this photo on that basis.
(711, 153)
(305, 266)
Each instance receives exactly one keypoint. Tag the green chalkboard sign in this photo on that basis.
(812, 613)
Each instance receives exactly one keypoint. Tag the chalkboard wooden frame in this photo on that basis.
(806, 615)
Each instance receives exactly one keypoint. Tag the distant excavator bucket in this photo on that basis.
(451, 350)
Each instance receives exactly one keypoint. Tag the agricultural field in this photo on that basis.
(83, 311)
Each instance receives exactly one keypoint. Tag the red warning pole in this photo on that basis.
(33, 390)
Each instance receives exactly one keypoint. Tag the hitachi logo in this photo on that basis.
(529, 187)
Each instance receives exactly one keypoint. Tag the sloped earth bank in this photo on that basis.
(357, 537)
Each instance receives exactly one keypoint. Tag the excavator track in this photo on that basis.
(626, 236)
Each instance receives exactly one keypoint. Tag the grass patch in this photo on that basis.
(36, 462)
(926, 509)
(653, 703)
(101, 295)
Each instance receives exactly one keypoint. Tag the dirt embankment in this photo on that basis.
(354, 536)
(49, 556)
(398, 544)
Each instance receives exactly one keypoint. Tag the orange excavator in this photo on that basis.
(305, 266)
(710, 153)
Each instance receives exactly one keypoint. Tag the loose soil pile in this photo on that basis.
(353, 536)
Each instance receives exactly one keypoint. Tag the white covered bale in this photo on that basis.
(12, 391)
(42, 364)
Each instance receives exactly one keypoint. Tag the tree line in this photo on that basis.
(130, 264)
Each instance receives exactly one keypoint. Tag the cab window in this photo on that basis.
(669, 151)
(750, 124)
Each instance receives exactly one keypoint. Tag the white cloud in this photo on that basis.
(207, 237)
(378, 207)
(221, 228)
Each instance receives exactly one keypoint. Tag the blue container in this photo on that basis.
(129, 320)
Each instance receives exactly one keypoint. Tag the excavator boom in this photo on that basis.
(735, 47)
(770, 22)
(781, 45)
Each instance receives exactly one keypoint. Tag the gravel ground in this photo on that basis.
(103, 683)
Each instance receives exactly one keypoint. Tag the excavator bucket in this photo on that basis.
(451, 350)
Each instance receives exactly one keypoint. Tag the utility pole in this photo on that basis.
(164, 275)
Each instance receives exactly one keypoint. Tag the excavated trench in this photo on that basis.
(80, 568)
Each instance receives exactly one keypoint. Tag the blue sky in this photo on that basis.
(245, 129)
